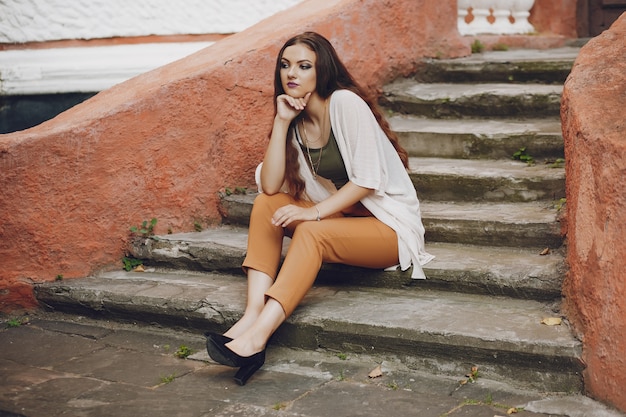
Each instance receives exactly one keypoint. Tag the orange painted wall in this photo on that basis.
(594, 128)
(164, 143)
(558, 17)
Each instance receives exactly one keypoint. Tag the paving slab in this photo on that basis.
(293, 382)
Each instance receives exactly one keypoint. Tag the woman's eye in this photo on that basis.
(284, 65)
(305, 66)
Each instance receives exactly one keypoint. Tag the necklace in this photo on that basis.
(314, 167)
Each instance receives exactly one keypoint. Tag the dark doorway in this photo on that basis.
(596, 16)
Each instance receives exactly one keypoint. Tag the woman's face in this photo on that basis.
(297, 70)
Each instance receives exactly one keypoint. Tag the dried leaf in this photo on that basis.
(376, 372)
(544, 252)
(512, 410)
(139, 268)
(552, 321)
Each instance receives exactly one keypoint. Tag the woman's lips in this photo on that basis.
(292, 85)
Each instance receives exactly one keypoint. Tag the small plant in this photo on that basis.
(183, 352)
(197, 226)
(341, 376)
(557, 163)
(145, 229)
(14, 323)
(393, 385)
(279, 406)
(342, 356)
(168, 378)
(477, 47)
(558, 205)
(522, 155)
(131, 263)
(236, 190)
(59, 277)
(500, 47)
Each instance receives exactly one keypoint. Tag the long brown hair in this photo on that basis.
(332, 75)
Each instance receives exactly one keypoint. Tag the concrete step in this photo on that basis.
(479, 138)
(443, 179)
(429, 330)
(448, 100)
(527, 225)
(485, 180)
(551, 66)
(522, 225)
(515, 272)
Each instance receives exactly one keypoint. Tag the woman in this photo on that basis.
(333, 179)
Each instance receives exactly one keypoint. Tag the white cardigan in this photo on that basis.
(372, 162)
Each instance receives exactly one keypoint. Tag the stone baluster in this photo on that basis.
(520, 12)
(481, 12)
(499, 12)
(463, 10)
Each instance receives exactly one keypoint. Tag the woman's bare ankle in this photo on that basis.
(242, 325)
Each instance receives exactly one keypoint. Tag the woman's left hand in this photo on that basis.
(290, 213)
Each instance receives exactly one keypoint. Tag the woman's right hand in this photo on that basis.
(288, 107)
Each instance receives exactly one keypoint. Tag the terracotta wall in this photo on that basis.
(164, 143)
(594, 127)
(556, 17)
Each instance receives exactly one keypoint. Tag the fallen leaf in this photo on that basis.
(546, 251)
(139, 268)
(551, 321)
(376, 372)
(511, 411)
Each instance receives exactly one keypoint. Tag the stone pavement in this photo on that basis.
(60, 365)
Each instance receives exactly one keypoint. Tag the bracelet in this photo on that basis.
(319, 217)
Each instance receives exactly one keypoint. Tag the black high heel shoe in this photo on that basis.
(245, 372)
(247, 365)
(213, 341)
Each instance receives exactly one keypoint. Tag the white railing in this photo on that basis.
(501, 17)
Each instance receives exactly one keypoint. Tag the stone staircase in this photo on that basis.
(491, 221)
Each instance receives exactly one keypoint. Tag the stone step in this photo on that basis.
(517, 65)
(479, 138)
(515, 272)
(448, 100)
(528, 224)
(429, 330)
(443, 179)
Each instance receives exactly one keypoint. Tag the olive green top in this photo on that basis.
(331, 165)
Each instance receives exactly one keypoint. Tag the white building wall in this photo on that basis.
(91, 69)
(24, 21)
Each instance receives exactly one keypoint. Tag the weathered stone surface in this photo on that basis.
(434, 331)
(292, 382)
(448, 100)
(594, 129)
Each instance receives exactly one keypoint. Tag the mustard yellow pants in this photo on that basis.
(357, 241)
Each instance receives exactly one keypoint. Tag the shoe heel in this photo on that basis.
(245, 372)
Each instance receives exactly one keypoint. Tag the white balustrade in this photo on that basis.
(501, 17)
